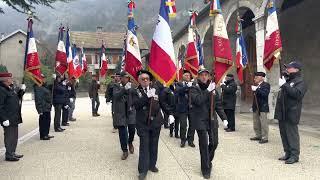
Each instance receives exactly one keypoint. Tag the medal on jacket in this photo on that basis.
(139, 93)
(291, 84)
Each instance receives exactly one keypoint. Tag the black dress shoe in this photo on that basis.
(166, 127)
(154, 169)
(45, 138)
(142, 176)
(18, 156)
(284, 158)
(62, 129)
(230, 130)
(177, 136)
(171, 135)
(72, 119)
(65, 124)
(263, 141)
(97, 114)
(292, 160)
(58, 130)
(206, 176)
(50, 136)
(183, 144)
(12, 159)
(191, 144)
(255, 139)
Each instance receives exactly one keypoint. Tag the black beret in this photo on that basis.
(186, 71)
(145, 72)
(262, 74)
(124, 74)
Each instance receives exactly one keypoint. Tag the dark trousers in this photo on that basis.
(213, 141)
(290, 138)
(182, 118)
(10, 140)
(191, 131)
(126, 135)
(231, 118)
(165, 119)
(57, 116)
(204, 151)
(95, 104)
(175, 126)
(44, 124)
(148, 149)
(65, 115)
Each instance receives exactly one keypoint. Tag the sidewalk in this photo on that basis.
(88, 150)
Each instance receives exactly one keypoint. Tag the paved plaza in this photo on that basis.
(88, 150)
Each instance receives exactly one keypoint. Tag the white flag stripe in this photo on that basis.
(162, 36)
(61, 47)
(32, 47)
(133, 49)
(272, 24)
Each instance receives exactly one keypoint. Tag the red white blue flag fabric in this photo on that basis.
(104, 62)
(61, 56)
(171, 7)
(76, 65)
(221, 45)
(162, 58)
(133, 62)
(84, 64)
(32, 62)
(241, 54)
(215, 7)
(191, 62)
(69, 55)
(273, 44)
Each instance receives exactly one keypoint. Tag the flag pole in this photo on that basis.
(29, 19)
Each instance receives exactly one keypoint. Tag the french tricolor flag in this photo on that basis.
(241, 55)
(61, 56)
(32, 61)
(273, 44)
(77, 69)
(132, 62)
(162, 59)
(104, 62)
(69, 54)
(191, 61)
(221, 45)
(215, 7)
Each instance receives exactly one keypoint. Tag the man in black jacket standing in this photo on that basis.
(71, 85)
(288, 110)
(148, 123)
(59, 101)
(260, 108)
(205, 102)
(182, 109)
(229, 98)
(94, 95)
(10, 115)
(43, 102)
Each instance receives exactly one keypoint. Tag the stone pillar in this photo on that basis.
(274, 74)
(260, 33)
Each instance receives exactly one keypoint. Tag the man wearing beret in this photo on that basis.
(288, 110)
(260, 108)
(10, 115)
(205, 105)
(124, 113)
(229, 98)
(148, 123)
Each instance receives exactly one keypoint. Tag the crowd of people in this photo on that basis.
(143, 106)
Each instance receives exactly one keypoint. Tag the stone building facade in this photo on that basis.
(295, 19)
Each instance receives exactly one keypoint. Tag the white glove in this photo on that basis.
(282, 81)
(127, 86)
(161, 113)
(225, 123)
(71, 100)
(151, 93)
(77, 80)
(171, 119)
(40, 114)
(23, 87)
(211, 86)
(66, 106)
(64, 83)
(189, 84)
(54, 76)
(69, 88)
(98, 82)
(222, 83)
(6, 123)
(254, 88)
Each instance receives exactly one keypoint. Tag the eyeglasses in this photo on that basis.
(145, 78)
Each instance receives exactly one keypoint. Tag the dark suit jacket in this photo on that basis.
(261, 98)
